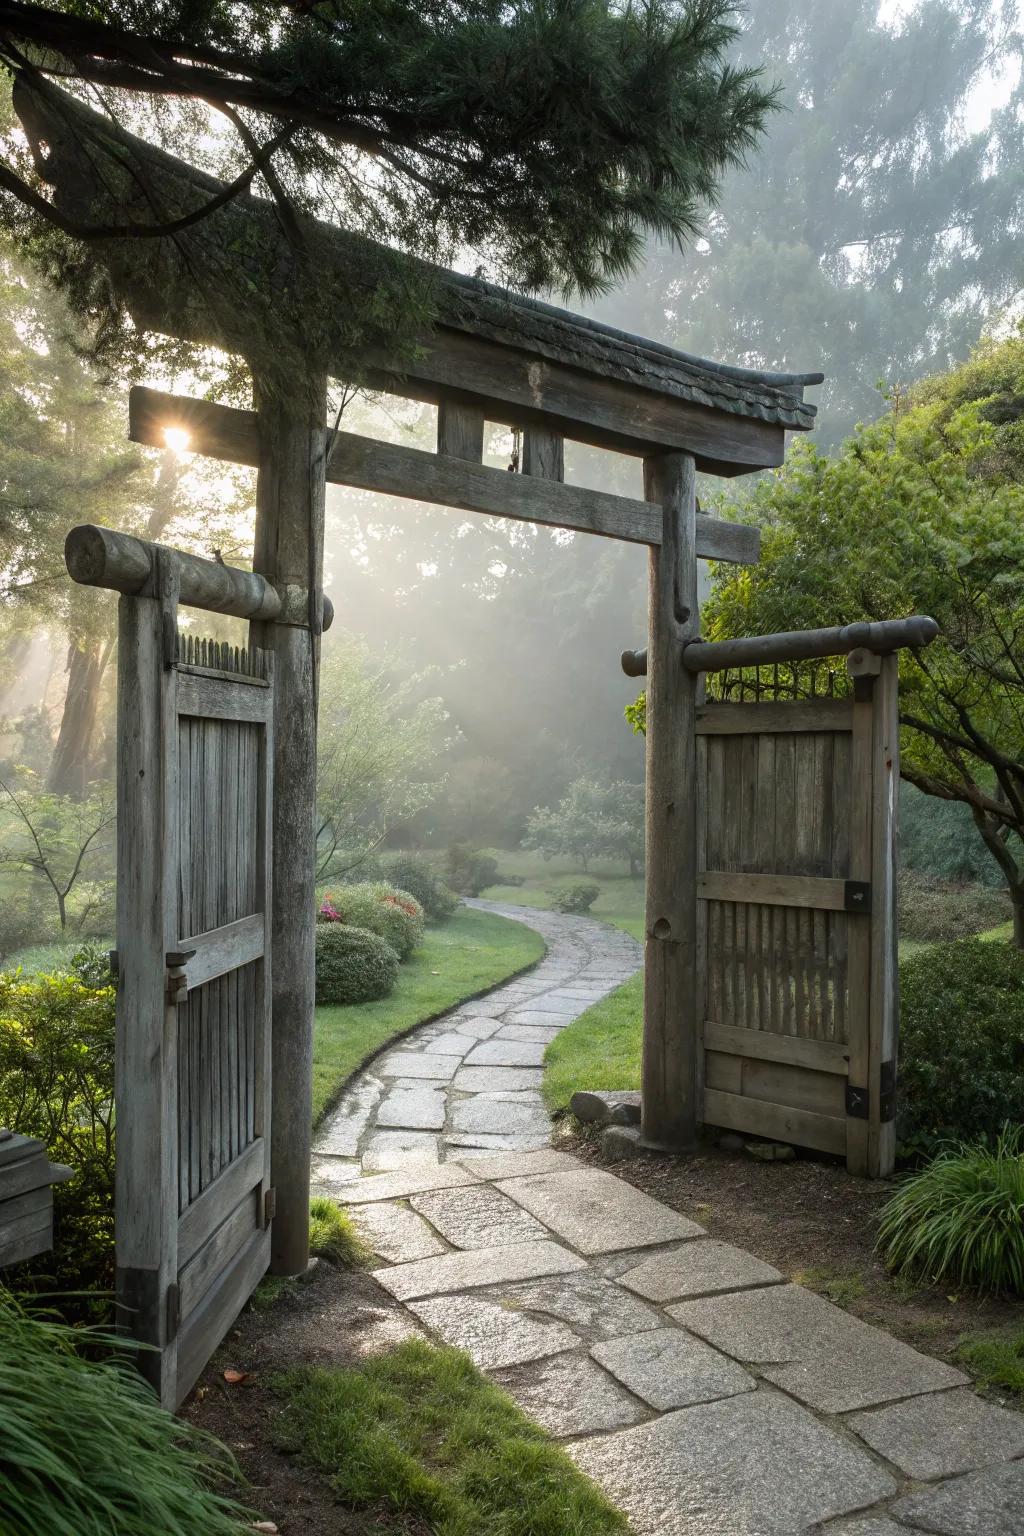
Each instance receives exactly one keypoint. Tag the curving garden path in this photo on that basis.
(705, 1395)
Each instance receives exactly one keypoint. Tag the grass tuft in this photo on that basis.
(333, 1235)
(421, 1433)
(995, 1358)
(961, 1219)
(841, 1286)
(86, 1449)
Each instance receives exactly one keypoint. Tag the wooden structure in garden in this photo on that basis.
(490, 357)
(27, 1178)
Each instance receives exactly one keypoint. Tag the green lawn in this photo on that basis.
(422, 1441)
(600, 1049)
(45, 958)
(621, 901)
(459, 959)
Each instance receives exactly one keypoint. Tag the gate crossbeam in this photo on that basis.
(797, 645)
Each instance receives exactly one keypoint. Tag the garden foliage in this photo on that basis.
(578, 896)
(57, 1083)
(932, 911)
(469, 870)
(961, 1064)
(391, 914)
(86, 1450)
(961, 1219)
(353, 965)
(413, 873)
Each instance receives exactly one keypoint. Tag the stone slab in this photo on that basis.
(387, 1151)
(345, 1125)
(700, 1268)
(598, 1213)
(753, 1465)
(478, 1029)
(669, 1368)
(988, 1503)
(478, 1217)
(497, 1079)
(506, 1053)
(942, 1434)
(825, 1357)
(569, 1395)
(451, 1043)
(490, 1334)
(873, 1525)
(425, 1064)
(535, 1034)
(397, 1234)
(465, 1142)
(477, 1267)
(413, 1108)
(405, 1182)
(501, 1114)
(512, 1165)
(594, 1307)
(543, 1016)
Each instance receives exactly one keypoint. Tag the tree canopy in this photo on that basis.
(921, 512)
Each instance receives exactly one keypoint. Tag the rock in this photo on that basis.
(942, 1433)
(601, 1105)
(619, 1142)
(597, 1212)
(569, 1395)
(985, 1503)
(769, 1151)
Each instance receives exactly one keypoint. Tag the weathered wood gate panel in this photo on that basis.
(193, 1198)
(796, 922)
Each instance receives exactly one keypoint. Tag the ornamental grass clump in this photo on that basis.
(86, 1449)
(961, 1219)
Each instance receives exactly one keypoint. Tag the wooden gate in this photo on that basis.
(193, 1196)
(796, 928)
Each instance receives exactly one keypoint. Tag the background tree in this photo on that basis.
(592, 820)
(63, 845)
(922, 512)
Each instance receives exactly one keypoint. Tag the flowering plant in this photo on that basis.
(328, 911)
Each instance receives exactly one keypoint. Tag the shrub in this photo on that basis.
(961, 1069)
(86, 1448)
(391, 914)
(25, 916)
(413, 873)
(936, 911)
(333, 1234)
(469, 870)
(577, 897)
(352, 964)
(961, 1219)
(57, 1083)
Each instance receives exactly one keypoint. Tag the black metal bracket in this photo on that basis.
(887, 1092)
(857, 895)
(857, 1101)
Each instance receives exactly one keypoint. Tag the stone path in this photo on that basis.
(706, 1395)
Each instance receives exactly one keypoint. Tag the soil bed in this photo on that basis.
(816, 1223)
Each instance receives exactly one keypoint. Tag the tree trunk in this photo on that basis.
(72, 756)
(1017, 897)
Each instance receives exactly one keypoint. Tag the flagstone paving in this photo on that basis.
(705, 1395)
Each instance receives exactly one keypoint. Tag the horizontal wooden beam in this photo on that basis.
(788, 1050)
(224, 432)
(823, 894)
(809, 644)
(775, 715)
(779, 1122)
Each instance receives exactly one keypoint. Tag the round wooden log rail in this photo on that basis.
(101, 557)
(796, 645)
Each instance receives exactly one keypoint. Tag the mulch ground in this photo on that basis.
(332, 1319)
(814, 1222)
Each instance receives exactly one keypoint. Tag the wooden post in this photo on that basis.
(289, 552)
(460, 431)
(543, 454)
(884, 1005)
(672, 1007)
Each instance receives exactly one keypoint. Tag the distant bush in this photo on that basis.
(579, 896)
(959, 1219)
(353, 965)
(88, 1449)
(57, 1083)
(25, 916)
(934, 911)
(392, 914)
(413, 873)
(469, 870)
(961, 1058)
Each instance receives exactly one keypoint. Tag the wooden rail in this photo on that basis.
(796, 645)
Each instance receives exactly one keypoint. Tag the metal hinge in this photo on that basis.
(857, 1102)
(173, 1311)
(857, 895)
(269, 1206)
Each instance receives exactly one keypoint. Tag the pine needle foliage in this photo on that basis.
(86, 1450)
(961, 1219)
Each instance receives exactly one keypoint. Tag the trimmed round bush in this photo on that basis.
(353, 965)
(961, 1062)
(413, 873)
(469, 870)
(392, 914)
(577, 897)
(935, 911)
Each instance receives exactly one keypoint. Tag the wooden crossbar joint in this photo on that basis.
(176, 961)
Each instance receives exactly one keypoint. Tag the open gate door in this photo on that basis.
(796, 916)
(193, 1197)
